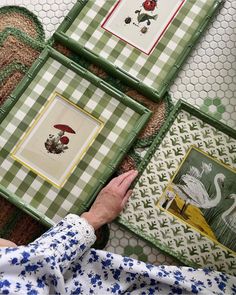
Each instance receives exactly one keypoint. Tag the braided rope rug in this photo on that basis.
(21, 41)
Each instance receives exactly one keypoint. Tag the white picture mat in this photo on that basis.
(31, 150)
(130, 33)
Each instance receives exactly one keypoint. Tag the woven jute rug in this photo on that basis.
(21, 41)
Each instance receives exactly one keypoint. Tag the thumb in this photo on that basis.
(126, 197)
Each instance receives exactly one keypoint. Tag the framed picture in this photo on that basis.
(63, 133)
(196, 195)
(142, 42)
(60, 136)
(141, 24)
(184, 201)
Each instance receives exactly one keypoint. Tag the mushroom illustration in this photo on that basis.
(63, 128)
(58, 144)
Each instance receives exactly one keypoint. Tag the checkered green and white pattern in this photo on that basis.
(119, 121)
(152, 70)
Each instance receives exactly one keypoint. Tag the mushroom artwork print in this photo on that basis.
(58, 143)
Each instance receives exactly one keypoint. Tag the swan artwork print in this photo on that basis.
(202, 193)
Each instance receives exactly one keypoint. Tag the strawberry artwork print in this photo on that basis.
(57, 144)
(141, 23)
(144, 16)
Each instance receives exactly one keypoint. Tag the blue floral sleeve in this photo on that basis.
(39, 267)
(60, 262)
(67, 241)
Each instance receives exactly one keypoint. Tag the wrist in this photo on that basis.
(93, 220)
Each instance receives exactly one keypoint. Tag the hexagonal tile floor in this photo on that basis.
(208, 77)
(207, 80)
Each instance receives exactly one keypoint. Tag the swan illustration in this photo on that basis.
(206, 168)
(194, 192)
(169, 198)
(229, 216)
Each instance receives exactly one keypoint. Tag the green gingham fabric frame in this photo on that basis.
(123, 119)
(185, 127)
(151, 75)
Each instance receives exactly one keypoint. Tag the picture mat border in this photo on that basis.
(152, 93)
(180, 106)
(50, 100)
(160, 35)
(171, 181)
(22, 87)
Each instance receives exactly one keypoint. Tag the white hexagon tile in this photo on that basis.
(206, 80)
(208, 77)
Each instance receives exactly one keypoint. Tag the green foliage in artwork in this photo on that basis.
(179, 242)
(142, 182)
(232, 149)
(154, 190)
(138, 217)
(150, 169)
(135, 206)
(163, 223)
(151, 179)
(149, 214)
(232, 265)
(185, 138)
(182, 253)
(191, 240)
(228, 254)
(193, 250)
(178, 151)
(147, 203)
(176, 231)
(193, 126)
(221, 151)
(170, 164)
(217, 256)
(160, 167)
(206, 260)
(204, 248)
(187, 229)
(209, 144)
(196, 137)
(183, 129)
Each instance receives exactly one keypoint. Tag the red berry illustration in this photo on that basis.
(64, 140)
(149, 5)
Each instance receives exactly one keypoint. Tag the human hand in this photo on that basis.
(111, 200)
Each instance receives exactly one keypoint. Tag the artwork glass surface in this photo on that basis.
(203, 194)
(141, 23)
(57, 140)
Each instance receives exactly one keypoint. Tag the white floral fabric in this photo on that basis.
(62, 262)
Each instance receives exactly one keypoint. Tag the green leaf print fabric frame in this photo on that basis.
(149, 74)
(122, 118)
(186, 127)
